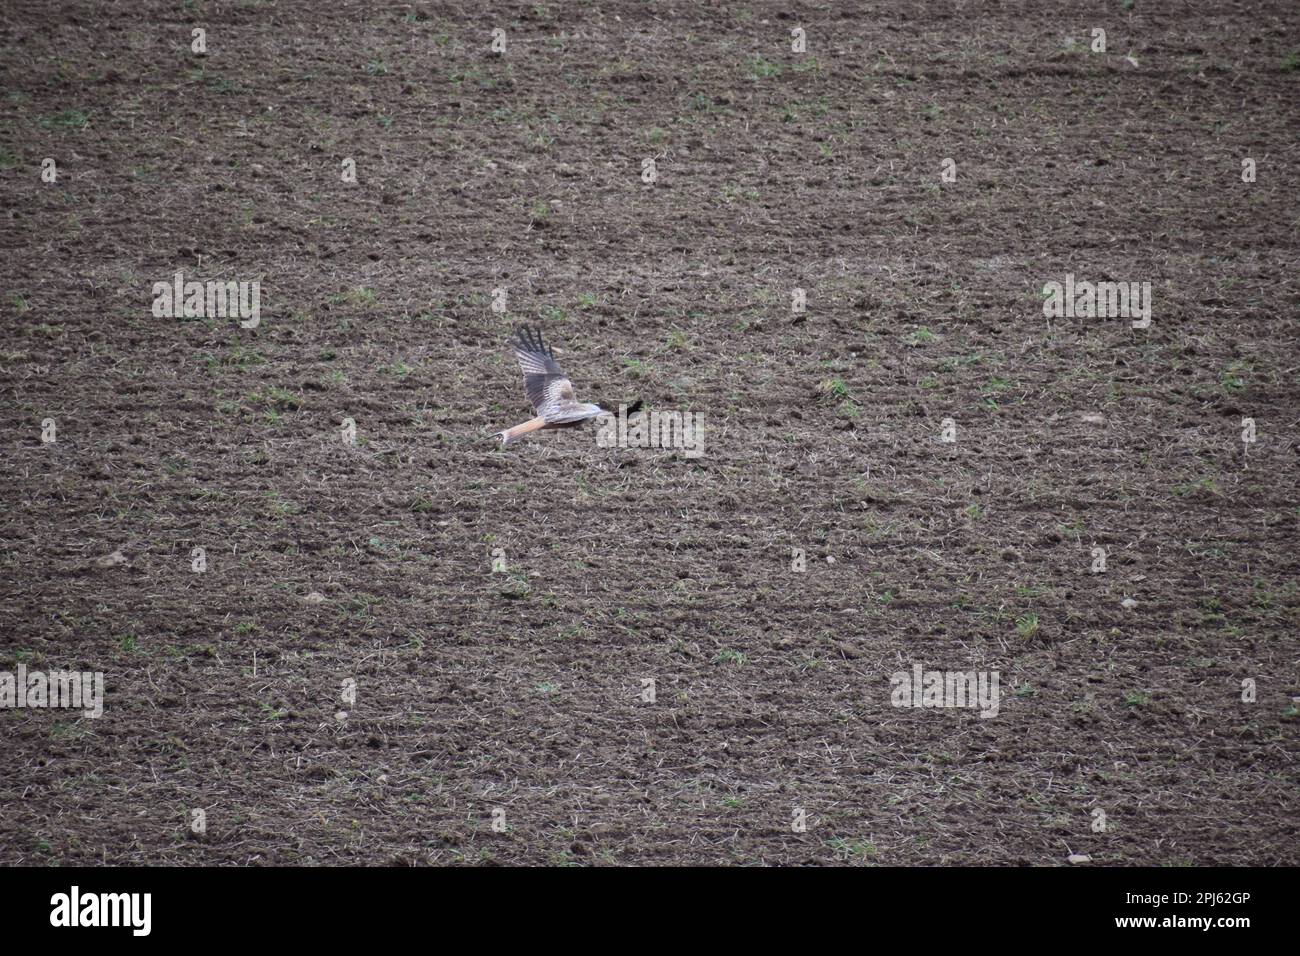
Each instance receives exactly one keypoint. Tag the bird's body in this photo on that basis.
(548, 389)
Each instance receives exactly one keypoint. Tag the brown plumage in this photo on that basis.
(548, 389)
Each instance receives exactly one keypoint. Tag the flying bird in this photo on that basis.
(549, 390)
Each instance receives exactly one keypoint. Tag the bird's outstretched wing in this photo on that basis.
(548, 389)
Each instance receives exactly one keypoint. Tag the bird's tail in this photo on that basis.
(510, 434)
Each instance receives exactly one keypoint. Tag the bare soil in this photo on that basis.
(521, 691)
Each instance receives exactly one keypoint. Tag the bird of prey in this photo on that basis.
(549, 390)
